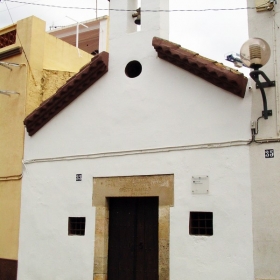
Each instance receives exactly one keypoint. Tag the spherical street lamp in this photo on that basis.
(254, 54)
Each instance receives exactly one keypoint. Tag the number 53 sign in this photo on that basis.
(269, 153)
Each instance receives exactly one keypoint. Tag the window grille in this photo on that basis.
(201, 223)
(76, 225)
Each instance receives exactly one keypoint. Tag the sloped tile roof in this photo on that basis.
(86, 77)
(216, 73)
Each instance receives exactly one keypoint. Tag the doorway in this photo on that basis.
(141, 186)
(133, 238)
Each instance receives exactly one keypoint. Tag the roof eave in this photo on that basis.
(215, 73)
(74, 87)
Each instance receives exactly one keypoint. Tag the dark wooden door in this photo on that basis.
(133, 238)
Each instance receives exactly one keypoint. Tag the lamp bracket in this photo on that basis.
(255, 76)
(266, 84)
(269, 113)
(261, 85)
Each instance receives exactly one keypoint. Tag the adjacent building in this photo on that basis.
(90, 36)
(33, 65)
(264, 151)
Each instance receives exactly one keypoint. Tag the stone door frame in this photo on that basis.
(131, 186)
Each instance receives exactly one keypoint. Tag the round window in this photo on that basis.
(133, 69)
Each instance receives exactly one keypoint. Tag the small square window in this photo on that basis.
(201, 223)
(76, 225)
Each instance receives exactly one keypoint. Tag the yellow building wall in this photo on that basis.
(12, 113)
(52, 80)
(45, 51)
(11, 153)
(57, 67)
(9, 216)
(57, 54)
(12, 110)
(45, 61)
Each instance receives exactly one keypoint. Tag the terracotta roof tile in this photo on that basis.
(207, 69)
(75, 86)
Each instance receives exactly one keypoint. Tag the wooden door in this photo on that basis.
(133, 238)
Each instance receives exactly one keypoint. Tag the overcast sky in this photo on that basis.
(210, 33)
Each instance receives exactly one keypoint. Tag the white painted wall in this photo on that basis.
(164, 107)
(50, 195)
(265, 172)
(103, 35)
(265, 25)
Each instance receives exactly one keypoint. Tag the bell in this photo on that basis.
(137, 15)
(138, 20)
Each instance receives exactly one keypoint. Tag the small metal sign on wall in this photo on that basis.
(269, 153)
(200, 184)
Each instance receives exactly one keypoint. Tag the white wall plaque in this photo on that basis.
(200, 184)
